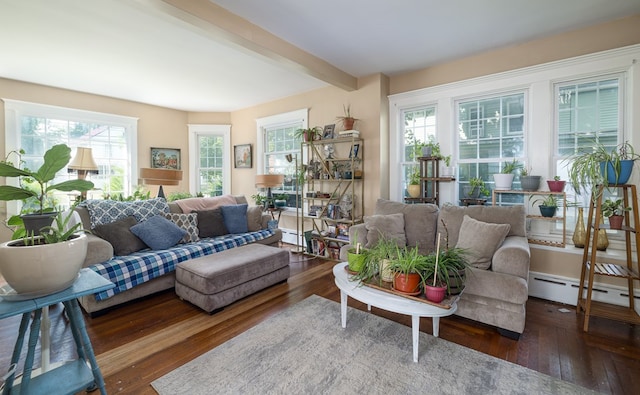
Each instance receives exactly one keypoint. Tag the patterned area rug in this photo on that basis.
(304, 350)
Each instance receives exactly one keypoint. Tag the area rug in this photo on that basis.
(304, 350)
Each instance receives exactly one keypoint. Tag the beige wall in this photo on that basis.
(615, 34)
(157, 126)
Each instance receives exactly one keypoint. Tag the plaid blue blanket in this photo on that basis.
(128, 271)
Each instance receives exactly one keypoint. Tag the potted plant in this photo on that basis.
(381, 255)
(556, 185)
(413, 189)
(356, 257)
(281, 200)
(347, 120)
(37, 185)
(504, 179)
(528, 182)
(475, 189)
(44, 264)
(548, 205)
(309, 134)
(614, 210)
(408, 266)
(600, 165)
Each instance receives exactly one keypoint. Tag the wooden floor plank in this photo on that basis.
(141, 341)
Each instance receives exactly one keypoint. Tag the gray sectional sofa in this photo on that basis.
(146, 271)
(496, 288)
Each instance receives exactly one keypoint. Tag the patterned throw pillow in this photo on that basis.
(188, 222)
(107, 211)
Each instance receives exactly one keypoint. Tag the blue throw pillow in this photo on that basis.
(158, 232)
(235, 218)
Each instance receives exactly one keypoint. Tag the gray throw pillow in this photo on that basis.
(188, 222)
(211, 223)
(480, 240)
(254, 218)
(158, 232)
(117, 233)
(390, 227)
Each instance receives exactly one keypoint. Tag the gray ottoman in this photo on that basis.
(214, 281)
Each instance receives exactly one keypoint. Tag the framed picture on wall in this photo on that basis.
(242, 156)
(165, 158)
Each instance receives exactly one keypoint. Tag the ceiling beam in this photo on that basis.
(228, 28)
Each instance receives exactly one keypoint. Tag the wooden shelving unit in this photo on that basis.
(536, 217)
(430, 180)
(591, 267)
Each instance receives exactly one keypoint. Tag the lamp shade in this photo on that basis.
(83, 161)
(269, 180)
(160, 176)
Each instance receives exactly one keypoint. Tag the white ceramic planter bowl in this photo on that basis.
(43, 269)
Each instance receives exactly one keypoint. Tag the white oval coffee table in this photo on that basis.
(390, 302)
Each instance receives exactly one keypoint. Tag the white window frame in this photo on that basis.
(198, 130)
(539, 81)
(16, 109)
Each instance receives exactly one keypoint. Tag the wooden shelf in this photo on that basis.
(548, 243)
(610, 311)
(614, 270)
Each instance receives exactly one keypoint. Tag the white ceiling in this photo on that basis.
(140, 50)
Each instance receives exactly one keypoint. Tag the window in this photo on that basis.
(419, 127)
(587, 111)
(210, 161)
(35, 128)
(490, 132)
(277, 139)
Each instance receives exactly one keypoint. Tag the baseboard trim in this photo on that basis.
(565, 290)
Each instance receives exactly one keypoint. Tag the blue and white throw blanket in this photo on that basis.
(128, 271)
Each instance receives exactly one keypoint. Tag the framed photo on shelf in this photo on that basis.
(354, 151)
(165, 158)
(327, 133)
(242, 156)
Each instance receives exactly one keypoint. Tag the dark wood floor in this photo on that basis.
(141, 341)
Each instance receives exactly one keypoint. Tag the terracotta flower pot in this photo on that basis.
(615, 221)
(406, 283)
(435, 294)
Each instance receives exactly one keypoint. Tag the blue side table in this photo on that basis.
(73, 376)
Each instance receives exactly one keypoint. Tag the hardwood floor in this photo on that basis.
(141, 341)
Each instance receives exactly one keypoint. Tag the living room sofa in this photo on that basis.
(496, 287)
(144, 270)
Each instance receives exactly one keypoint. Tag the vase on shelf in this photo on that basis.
(579, 233)
(603, 241)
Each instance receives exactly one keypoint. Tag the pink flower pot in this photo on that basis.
(435, 294)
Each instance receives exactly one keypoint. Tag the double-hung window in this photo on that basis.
(210, 162)
(278, 139)
(491, 132)
(419, 127)
(35, 128)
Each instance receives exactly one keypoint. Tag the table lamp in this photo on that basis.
(269, 181)
(160, 177)
(83, 163)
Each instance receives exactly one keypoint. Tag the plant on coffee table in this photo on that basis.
(408, 266)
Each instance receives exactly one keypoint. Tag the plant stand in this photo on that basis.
(591, 267)
(430, 180)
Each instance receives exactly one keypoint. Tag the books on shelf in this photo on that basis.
(348, 133)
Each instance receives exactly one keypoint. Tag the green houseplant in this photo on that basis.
(475, 189)
(556, 185)
(37, 184)
(308, 134)
(614, 210)
(529, 182)
(548, 205)
(504, 179)
(347, 119)
(600, 165)
(413, 189)
(407, 266)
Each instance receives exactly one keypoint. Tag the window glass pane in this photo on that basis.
(419, 127)
(491, 131)
(210, 159)
(281, 141)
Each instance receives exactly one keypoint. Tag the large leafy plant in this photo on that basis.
(55, 159)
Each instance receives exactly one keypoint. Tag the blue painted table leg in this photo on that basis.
(15, 357)
(31, 350)
(77, 321)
